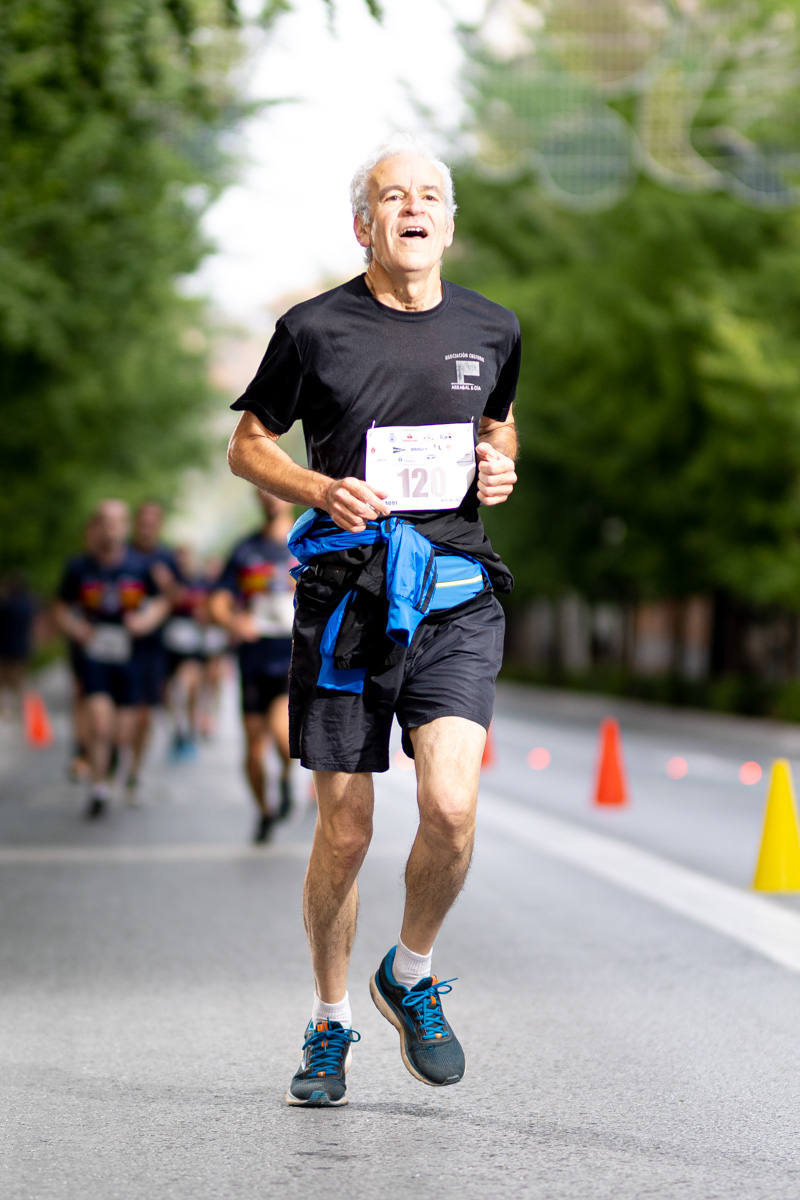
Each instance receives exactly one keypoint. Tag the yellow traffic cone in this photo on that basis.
(778, 868)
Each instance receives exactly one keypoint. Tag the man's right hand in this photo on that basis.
(350, 503)
(81, 631)
(243, 627)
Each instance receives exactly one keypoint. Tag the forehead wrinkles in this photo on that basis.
(404, 172)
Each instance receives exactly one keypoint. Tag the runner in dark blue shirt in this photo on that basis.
(149, 654)
(106, 599)
(253, 601)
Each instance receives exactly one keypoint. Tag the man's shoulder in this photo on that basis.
(315, 311)
(76, 564)
(469, 301)
(136, 561)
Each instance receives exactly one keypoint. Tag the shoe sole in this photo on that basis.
(315, 1100)
(385, 1009)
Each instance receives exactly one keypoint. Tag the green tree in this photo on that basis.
(112, 122)
(659, 403)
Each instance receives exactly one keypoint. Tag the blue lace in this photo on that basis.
(426, 1007)
(327, 1049)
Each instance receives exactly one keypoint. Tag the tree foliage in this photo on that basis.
(659, 403)
(113, 115)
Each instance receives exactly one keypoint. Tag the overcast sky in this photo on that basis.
(287, 224)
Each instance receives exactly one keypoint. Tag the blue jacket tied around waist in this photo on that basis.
(411, 578)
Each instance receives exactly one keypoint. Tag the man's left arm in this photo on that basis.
(496, 452)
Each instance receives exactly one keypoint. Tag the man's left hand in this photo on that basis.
(496, 474)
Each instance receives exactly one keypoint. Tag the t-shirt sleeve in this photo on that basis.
(274, 393)
(69, 587)
(505, 389)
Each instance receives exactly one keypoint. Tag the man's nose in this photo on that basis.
(413, 202)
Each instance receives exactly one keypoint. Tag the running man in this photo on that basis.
(254, 602)
(107, 598)
(149, 654)
(404, 384)
(185, 643)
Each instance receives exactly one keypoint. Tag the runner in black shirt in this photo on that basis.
(404, 385)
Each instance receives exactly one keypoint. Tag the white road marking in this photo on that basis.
(746, 917)
(177, 853)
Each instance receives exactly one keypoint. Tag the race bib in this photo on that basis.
(421, 466)
(273, 613)
(183, 636)
(215, 640)
(109, 644)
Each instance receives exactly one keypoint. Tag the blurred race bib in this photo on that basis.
(421, 466)
(273, 613)
(109, 644)
(182, 635)
(215, 640)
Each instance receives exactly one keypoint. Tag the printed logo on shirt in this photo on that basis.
(468, 366)
(256, 577)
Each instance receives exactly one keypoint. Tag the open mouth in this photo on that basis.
(414, 231)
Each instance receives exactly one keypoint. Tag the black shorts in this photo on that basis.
(150, 667)
(120, 681)
(263, 672)
(175, 660)
(449, 670)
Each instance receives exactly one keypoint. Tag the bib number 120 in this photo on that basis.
(420, 482)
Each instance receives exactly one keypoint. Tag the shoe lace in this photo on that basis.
(427, 1008)
(327, 1048)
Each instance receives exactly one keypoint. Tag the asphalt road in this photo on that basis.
(630, 1027)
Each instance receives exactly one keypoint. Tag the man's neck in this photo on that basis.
(277, 530)
(408, 293)
(110, 556)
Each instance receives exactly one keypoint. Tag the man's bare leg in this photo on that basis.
(447, 756)
(330, 895)
(255, 737)
(447, 753)
(278, 725)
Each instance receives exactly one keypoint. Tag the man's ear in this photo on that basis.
(362, 231)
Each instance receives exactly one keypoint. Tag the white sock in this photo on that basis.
(340, 1011)
(409, 967)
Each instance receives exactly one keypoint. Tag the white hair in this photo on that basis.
(399, 143)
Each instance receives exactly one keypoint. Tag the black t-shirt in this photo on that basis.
(343, 361)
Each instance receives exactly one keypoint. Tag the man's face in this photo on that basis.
(112, 525)
(147, 526)
(272, 506)
(410, 228)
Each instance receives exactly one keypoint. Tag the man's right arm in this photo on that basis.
(72, 626)
(254, 454)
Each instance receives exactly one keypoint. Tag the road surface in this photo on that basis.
(630, 1009)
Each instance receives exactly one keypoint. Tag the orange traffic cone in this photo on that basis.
(488, 757)
(38, 729)
(611, 786)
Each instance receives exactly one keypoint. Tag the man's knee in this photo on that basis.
(344, 821)
(447, 820)
(344, 839)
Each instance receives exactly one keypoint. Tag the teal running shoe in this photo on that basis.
(429, 1048)
(320, 1079)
